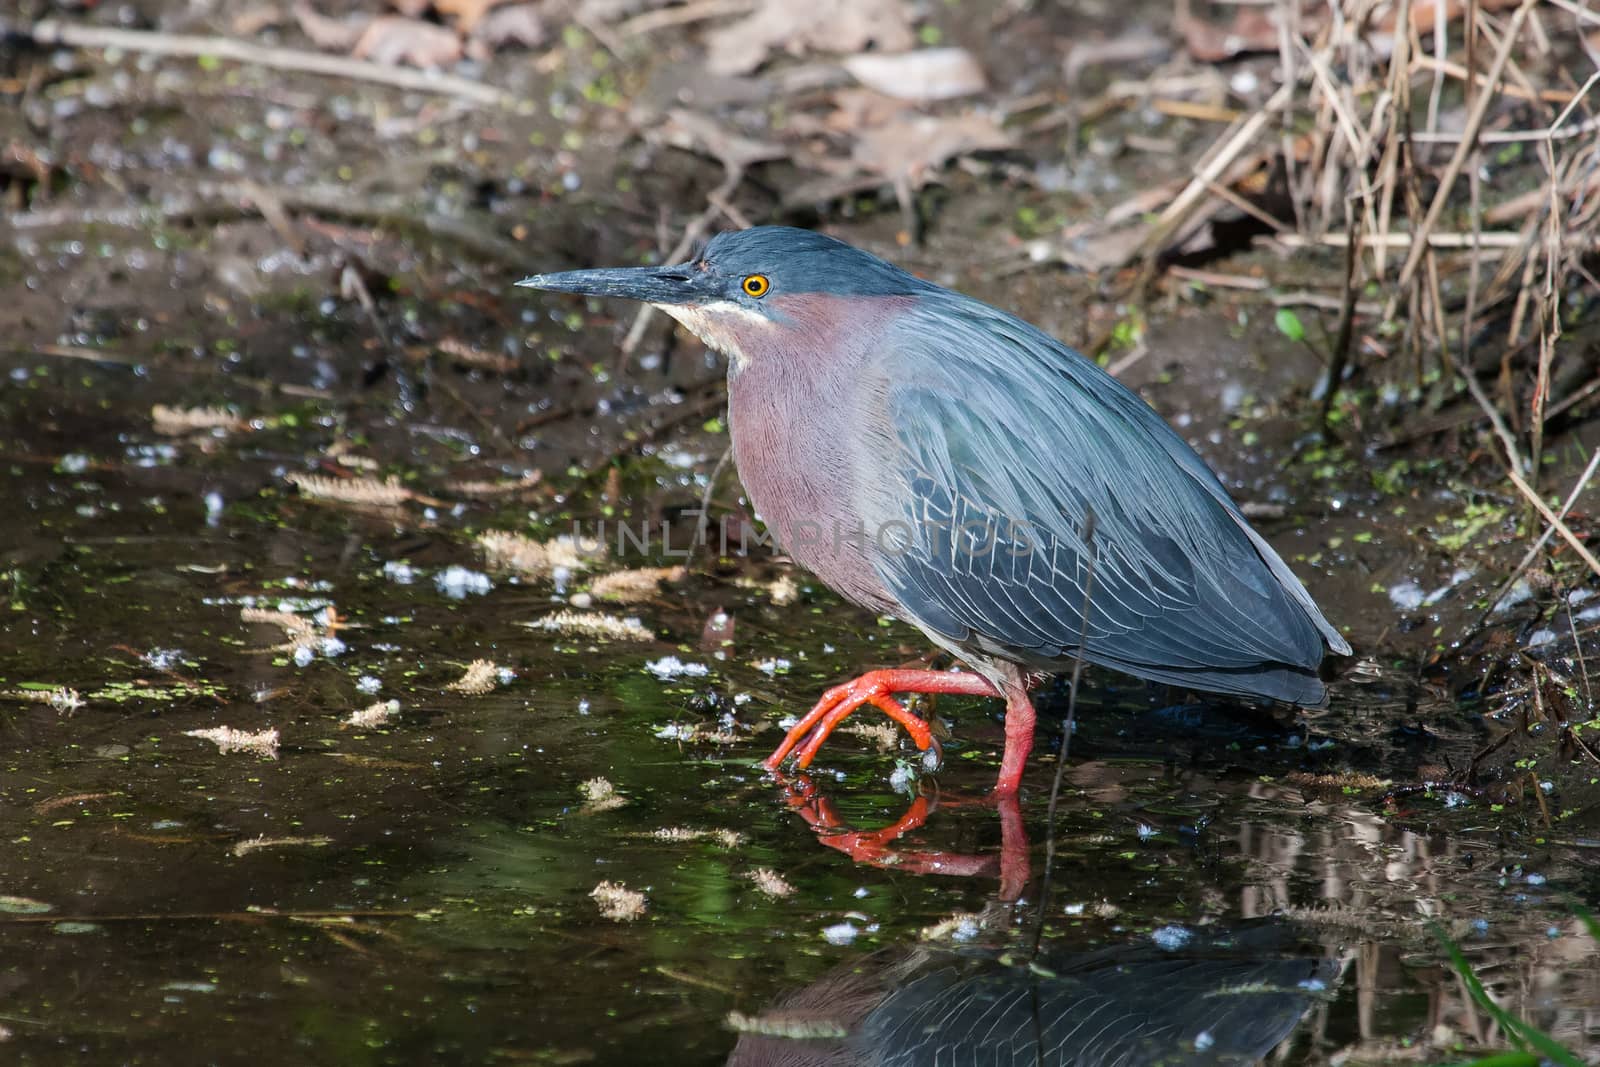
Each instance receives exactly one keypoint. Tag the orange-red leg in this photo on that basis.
(878, 688)
(1019, 742)
(873, 847)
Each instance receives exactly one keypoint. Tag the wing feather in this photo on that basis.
(999, 428)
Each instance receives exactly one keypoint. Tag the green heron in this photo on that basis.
(933, 458)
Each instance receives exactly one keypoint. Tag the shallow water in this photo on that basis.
(420, 891)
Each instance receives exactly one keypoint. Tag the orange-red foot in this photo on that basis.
(876, 688)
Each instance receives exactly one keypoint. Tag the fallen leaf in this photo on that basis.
(334, 35)
(912, 145)
(857, 109)
(922, 76)
(837, 26)
(693, 132)
(395, 40)
(520, 26)
(465, 13)
(1253, 30)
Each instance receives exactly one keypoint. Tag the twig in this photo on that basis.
(1491, 239)
(692, 233)
(228, 199)
(1549, 323)
(1340, 358)
(1218, 279)
(1544, 539)
(1447, 181)
(702, 526)
(1454, 70)
(698, 11)
(49, 32)
(1212, 170)
(1577, 650)
(1067, 727)
(1513, 471)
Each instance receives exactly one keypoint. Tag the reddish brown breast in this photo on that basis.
(797, 408)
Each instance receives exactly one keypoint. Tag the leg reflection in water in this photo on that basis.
(874, 847)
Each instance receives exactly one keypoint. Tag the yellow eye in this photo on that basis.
(757, 285)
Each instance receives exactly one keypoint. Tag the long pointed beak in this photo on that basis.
(680, 284)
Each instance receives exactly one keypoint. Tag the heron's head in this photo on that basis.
(749, 289)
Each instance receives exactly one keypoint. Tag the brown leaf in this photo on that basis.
(520, 26)
(858, 109)
(921, 76)
(395, 40)
(910, 146)
(334, 35)
(1253, 30)
(838, 26)
(694, 132)
(466, 13)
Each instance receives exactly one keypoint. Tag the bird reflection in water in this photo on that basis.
(1214, 995)
(1219, 997)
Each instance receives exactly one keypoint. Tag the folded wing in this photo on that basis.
(1007, 442)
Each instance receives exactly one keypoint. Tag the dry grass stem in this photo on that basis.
(770, 882)
(885, 736)
(1475, 117)
(491, 490)
(617, 902)
(634, 586)
(536, 559)
(600, 795)
(595, 626)
(373, 715)
(1513, 471)
(263, 743)
(300, 631)
(792, 1026)
(470, 356)
(364, 492)
(962, 926)
(1335, 782)
(175, 422)
(480, 677)
(257, 844)
(782, 591)
(725, 838)
(64, 700)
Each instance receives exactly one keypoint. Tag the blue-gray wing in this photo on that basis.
(1004, 442)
